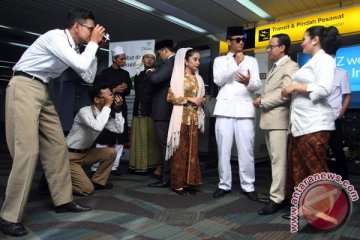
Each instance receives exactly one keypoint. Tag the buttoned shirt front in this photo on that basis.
(234, 98)
(55, 51)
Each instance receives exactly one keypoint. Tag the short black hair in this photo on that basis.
(283, 39)
(78, 15)
(167, 43)
(95, 91)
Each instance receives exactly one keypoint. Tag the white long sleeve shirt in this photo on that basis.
(313, 113)
(235, 99)
(88, 124)
(53, 52)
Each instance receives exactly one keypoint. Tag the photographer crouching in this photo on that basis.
(88, 124)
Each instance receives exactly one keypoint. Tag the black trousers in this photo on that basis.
(162, 128)
(336, 146)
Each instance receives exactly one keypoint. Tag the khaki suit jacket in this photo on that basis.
(275, 114)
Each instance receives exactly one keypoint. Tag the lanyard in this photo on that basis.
(76, 48)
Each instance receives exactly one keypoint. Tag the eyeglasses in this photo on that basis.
(270, 47)
(238, 39)
(89, 28)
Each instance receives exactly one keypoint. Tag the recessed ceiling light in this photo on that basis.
(255, 9)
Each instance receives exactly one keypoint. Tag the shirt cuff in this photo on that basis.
(92, 45)
(311, 89)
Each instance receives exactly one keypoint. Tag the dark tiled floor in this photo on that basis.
(131, 210)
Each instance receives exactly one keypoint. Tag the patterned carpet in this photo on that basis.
(131, 210)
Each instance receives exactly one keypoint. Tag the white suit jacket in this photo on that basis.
(235, 99)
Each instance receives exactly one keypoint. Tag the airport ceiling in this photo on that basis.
(124, 22)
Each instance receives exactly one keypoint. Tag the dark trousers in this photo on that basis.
(161, 129)
(336, 146)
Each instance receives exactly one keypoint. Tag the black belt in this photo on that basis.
(73, 150)
(24, 74)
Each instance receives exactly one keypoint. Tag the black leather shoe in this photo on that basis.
(12, 229)
(103, 187)
(71, 207)
(270, 208)
(191, 190)
(182, 192)
(251, 195)
(159, 184)
(263, 200)
(220, 193)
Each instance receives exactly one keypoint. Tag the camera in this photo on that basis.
(106, 37)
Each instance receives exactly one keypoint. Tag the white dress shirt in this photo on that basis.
(341, 86)
(53, 52)
(235, 99)
(88, 124)
(313, 113)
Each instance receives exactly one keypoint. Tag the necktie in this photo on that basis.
(273, 68)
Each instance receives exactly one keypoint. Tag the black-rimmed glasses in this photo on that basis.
(270, 47)
(89, 28)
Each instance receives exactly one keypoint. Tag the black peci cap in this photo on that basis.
(234, 31)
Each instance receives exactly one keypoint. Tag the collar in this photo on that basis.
(95, 110)
(171, 56)
(70, 39)
(230, 54)
(281, 60)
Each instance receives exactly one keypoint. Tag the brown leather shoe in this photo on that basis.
(12, 229)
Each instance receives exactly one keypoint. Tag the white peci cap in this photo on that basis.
(117, 50)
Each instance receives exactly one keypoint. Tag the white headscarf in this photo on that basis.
(177, 86)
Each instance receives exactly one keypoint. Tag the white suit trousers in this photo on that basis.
(243, 128)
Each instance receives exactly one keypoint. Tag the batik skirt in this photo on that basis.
(185, 166)
(306, 156)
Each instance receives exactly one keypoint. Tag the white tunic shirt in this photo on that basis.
(88, 124)
(341, 86)
(53, 52)
(313, 113)
(235, 99)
